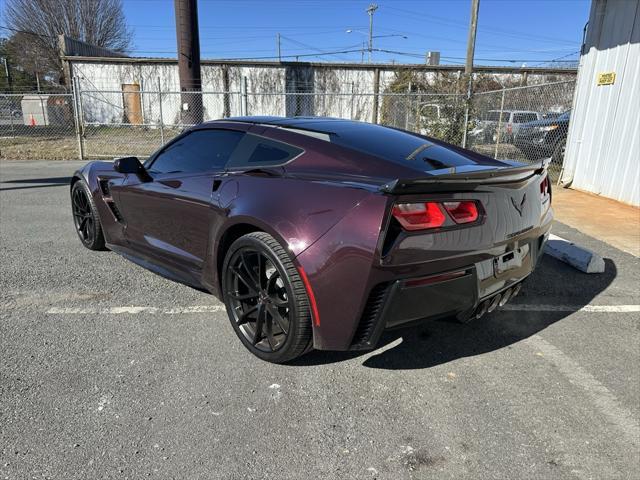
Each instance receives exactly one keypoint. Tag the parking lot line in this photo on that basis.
(132, 310)
(606, 402)
(572, 308)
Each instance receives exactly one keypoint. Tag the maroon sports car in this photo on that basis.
(320, 232)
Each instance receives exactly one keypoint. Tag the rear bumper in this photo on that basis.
(362, 287)
(463, 293)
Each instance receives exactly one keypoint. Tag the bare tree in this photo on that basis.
(36, 25)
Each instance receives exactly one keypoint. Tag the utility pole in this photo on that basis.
(468, 68)
(189, 61)
(370, 10)
(278, 43)
(471, 39)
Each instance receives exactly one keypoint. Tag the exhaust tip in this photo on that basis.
(516, 290)
(482, 309)
(494, 303)
(505, 297)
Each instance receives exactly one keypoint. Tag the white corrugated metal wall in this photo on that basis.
(603, 148)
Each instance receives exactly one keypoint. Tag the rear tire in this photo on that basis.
(266, 300)
(85, 217)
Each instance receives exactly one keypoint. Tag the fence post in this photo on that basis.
(407, 106)
(75, 91)
(226, 99)
(161, 117)
(352, 100)
(45, 115)
(10, 103)
(376, 90)
(417, 114)
(495, 154)
(243, 96)
(466, 110)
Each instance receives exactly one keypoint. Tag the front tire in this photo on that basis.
(85, 217)
(266, 299)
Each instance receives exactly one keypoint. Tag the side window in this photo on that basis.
(198, 151)
(255, 151)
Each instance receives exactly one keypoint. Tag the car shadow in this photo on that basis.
(432, 343)
(40, 183)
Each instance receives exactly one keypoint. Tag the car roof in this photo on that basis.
(387, 143)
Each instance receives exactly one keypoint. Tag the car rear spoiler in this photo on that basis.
(465, 180)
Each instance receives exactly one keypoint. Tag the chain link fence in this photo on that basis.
(522, 123)
(436, 115)
(38, 126)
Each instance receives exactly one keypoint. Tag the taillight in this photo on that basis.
(462, 212)
(419, 216)
(426, 215)
(544, 187)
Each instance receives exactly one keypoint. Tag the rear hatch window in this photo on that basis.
(402, 147)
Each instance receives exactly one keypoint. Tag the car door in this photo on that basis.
(168, 214)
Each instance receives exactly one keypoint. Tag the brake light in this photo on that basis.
(419, 216)
(462, 212)
(426, 215)
(544, 187)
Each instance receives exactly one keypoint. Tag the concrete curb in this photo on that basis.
(576, 256)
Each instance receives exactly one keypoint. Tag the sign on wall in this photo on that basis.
(606, 78)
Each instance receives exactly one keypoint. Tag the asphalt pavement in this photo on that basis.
(110, 371)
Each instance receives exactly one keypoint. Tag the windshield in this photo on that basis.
(493, 116)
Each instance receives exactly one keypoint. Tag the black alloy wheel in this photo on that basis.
(265, 298)
(85, 217)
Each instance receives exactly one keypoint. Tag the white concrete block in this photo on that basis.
(575, 255)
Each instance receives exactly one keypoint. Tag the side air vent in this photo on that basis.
(370, 315)
(115, 211)
(104, 187)
(393, 232)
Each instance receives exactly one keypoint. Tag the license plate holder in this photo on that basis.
(511, 260)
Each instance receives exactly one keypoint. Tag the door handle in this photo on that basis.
(216, 185)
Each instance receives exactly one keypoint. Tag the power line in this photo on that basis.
(485, 29)
(338, 52)
(510, 60)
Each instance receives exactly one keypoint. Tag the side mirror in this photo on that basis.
(128, 165)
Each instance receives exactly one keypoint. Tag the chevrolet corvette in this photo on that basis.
(320, 233)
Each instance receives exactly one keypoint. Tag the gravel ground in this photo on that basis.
(523, 393)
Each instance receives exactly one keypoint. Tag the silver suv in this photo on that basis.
(487, 128)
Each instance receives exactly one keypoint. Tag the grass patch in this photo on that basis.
(35, 143)
(39, 148)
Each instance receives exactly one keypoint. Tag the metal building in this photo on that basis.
(603, 146)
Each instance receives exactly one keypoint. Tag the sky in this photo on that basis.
(510, 32)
